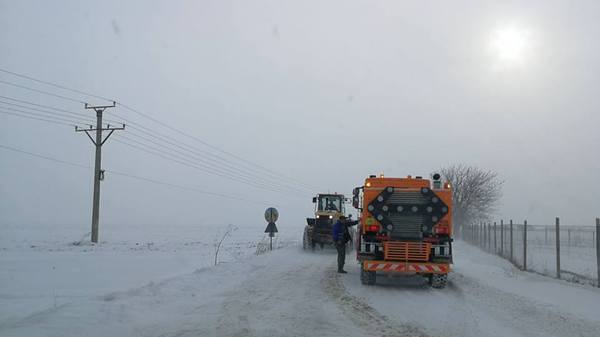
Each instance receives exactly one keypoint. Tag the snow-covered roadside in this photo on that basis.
(288, 292)
(42, 269)
(291, 292)
(486, 296)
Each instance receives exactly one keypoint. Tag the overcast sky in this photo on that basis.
(326, 92)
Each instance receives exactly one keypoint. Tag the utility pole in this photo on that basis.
(98, 172)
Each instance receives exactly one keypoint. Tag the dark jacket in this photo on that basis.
(339, 231)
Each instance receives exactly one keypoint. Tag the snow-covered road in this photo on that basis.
(486, 296)
(294, 293)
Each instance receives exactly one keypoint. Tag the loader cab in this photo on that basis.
(329, 203)
(328, 209)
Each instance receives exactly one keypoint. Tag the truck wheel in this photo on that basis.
(438, 281)
(367, 277)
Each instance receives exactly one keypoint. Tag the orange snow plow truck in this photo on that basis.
(405, 227)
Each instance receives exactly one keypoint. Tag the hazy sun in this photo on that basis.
(510, 44)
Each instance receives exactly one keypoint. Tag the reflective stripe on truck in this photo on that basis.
(407, 267)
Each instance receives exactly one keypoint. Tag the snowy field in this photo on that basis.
(42, 269)
(140, 286)
(577, 250)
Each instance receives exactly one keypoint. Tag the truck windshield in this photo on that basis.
(330, 203)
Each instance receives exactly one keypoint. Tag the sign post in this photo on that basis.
(271, 216)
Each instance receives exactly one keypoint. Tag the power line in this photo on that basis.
(271, 172)
(267, 171)
(54, 85)
(42, 92)
(65, 119)
(212, 169)
(186, 162)
(35, 118)
(213, 157)
(48, 107)
(10, 148)
(209, 164)
(52, 113)
(128, 175)
(165, 155)
(225, 166)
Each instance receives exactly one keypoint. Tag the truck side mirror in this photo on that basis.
(355, 201)
(314, 200)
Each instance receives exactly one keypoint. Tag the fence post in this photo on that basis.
(502, 238)
(569, 236)
(598, 249)
(546, 235)
(470, 237)
(557, 247)
(484, 235)
(481, 234)
(495, 241)
(525, 245)
(471, 233)
(489, 236)
(511, 241)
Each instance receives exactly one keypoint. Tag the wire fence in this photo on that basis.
(562, 251)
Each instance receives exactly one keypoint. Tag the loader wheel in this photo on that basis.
(438, 281)
(367, 277)
(306, 241)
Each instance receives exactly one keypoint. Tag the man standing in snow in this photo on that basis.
(341, 235)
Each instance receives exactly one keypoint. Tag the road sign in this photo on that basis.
(271, 214)
(271, 228)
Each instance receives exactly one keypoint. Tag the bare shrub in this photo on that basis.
(475, 192)
(230, 229)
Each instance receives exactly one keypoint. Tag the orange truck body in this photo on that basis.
(405, 226)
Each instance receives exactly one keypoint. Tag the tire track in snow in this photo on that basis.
(285, 299)
(362, 314)
(527, 317)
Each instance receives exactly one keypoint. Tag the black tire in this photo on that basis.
(306, 241)
(438, 281)
(367, 277)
